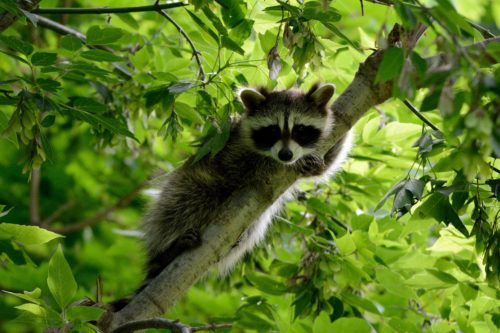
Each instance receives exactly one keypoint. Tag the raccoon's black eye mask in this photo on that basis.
(305, 135)
(266, 137)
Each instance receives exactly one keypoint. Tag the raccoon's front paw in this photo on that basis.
(310, 165)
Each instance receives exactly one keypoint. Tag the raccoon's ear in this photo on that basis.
(321, 94)
(251, 98)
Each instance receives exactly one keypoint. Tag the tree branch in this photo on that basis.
(174, 325)
(35, 196)
(420, 115)
(196, 53)
(103, 213)
(108, 10)
(58, 212)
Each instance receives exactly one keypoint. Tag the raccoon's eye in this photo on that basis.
(266, 137)
(305, 135)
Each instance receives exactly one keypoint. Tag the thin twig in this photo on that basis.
(108, 10)
(210, 327)
(58, 212)
(174, 325)
(102, 214)
(196, 53)
(64, 30)
(420, 115)
(35, 196)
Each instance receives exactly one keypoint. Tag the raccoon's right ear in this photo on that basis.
(251, 98)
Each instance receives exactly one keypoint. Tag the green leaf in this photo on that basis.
(267, 284)
(30, 296)
(48, 120)
(71, 43)
(229, 44)
(43, 58)
(84, 313)
(100, 55)
(61, 282)
(438, 207)
(98, 36)
(232, 13)
(443, 276)
(215, 20)
(315, 10)
(204, 27)
(419, 63)
(395, 189)
(128, 19)
(89, 105)
(17, 44)
(88, 69)
(349, 325)
(391, 65)
(48, 316)
(357, 301)
(394, 283)
(48, 84)
(26, 234)
(322, 323)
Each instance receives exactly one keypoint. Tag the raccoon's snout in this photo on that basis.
(285, 154)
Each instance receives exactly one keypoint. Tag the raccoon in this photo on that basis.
(280, 129)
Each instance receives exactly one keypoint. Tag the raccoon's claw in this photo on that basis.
(310, 166)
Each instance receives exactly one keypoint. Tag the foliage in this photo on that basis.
(86, 119)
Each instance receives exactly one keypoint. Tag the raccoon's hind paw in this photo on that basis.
(310, 166)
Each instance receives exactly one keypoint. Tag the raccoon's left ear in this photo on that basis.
(251, 98)
(321, 94)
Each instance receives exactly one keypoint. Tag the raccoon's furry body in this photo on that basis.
(279, 130)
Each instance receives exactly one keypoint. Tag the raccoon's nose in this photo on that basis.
(285, 154)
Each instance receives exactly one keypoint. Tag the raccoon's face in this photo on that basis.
(288, 124)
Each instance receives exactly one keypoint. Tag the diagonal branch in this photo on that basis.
(196, 53)
(102, 214)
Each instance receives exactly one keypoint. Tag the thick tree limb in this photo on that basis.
(174, 325)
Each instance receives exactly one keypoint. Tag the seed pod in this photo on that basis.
(274, 63)
(288, 36)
